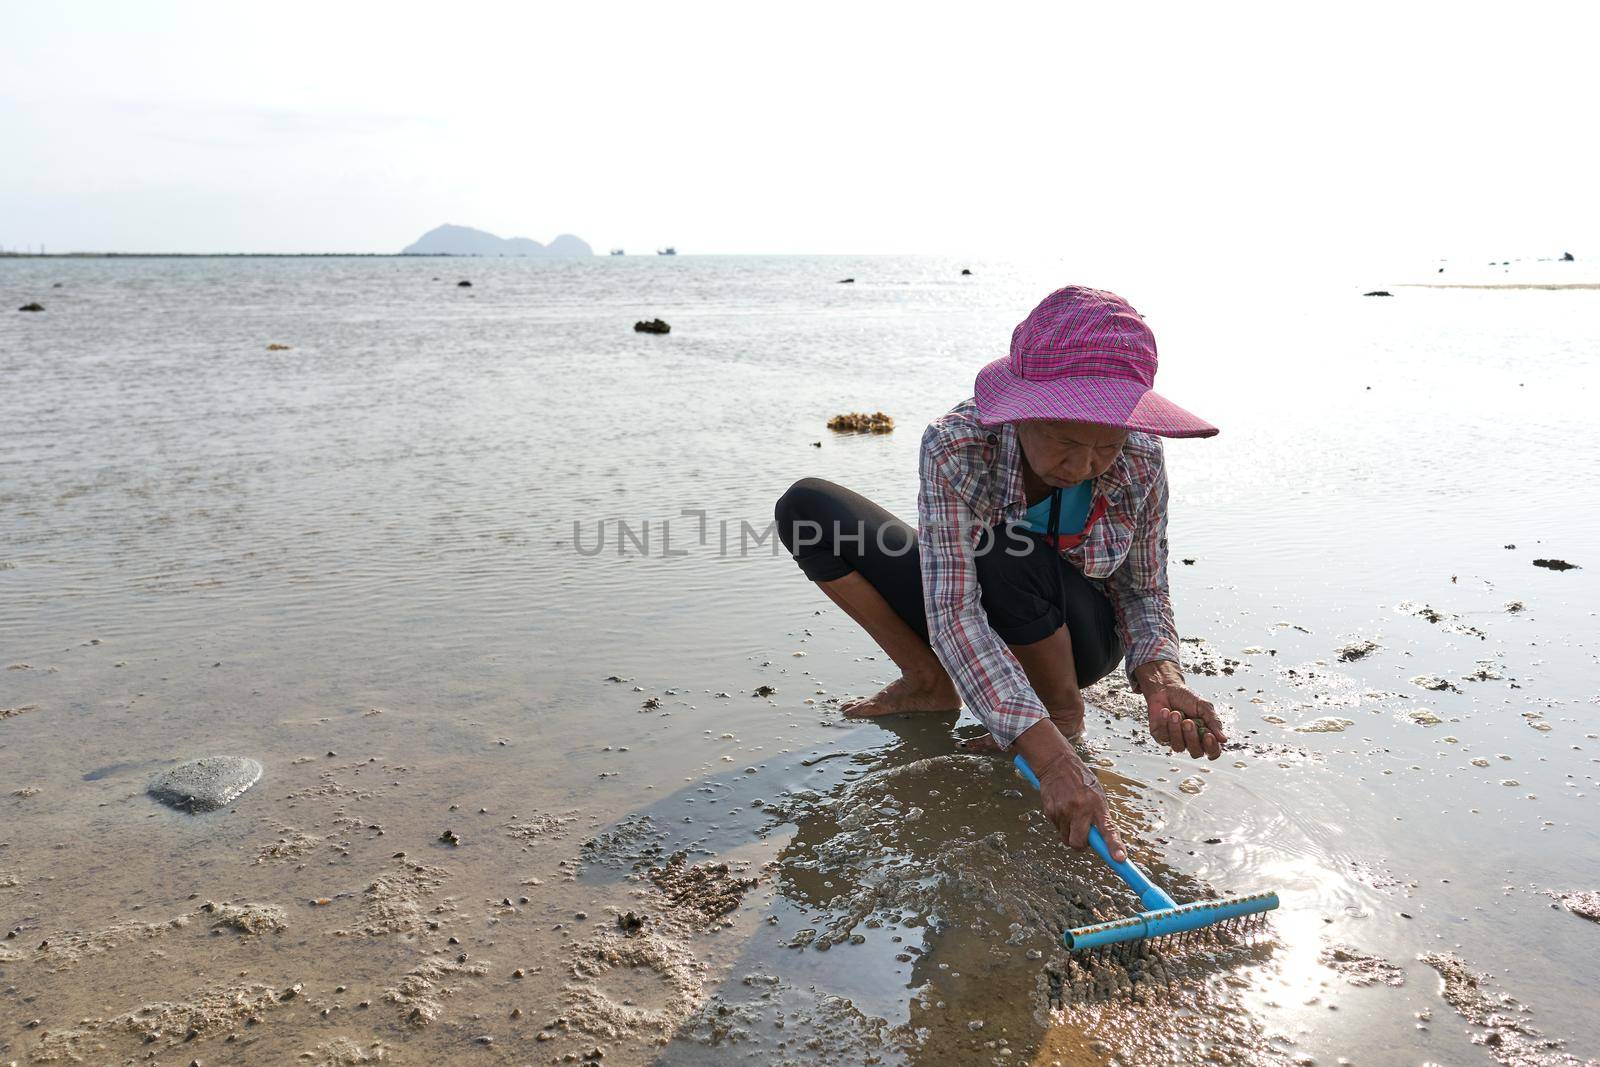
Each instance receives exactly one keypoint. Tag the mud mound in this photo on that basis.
(1584, 904)
(247, 918)
(773, 1022)
(1355, 650)
(206, 1012)
(707, 891)
(537, 826)
(342, 1052)
(1113, 695)
(635, 841)
(63, 949)
(420, 994)
(293, 845)
(1326, 725)
(1360, 969)
(639, 988)
(398, 903)
(1506, 1033)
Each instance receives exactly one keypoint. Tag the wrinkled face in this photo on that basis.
(1065, 453)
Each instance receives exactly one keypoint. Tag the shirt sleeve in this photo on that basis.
(990, 680)
(1138, 589)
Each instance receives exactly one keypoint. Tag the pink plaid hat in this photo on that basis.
(1085, 355)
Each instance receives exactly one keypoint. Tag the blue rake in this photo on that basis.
(1163, 917)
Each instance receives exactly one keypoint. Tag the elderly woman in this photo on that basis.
(1039, 560)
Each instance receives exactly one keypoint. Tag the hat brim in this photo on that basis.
(1004, 397)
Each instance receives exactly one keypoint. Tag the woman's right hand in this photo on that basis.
(1072, 799)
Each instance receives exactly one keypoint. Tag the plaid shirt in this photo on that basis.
(971, 478)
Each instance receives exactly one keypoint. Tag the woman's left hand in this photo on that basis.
(1179, 718)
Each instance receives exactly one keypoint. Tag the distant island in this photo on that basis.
(448, 240)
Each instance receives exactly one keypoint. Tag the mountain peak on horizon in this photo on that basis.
(453, 240)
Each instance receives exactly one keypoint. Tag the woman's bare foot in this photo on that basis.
(905, 696)
(981, 743)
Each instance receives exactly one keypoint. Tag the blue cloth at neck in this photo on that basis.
(1075, 501)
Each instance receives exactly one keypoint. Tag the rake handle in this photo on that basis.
(1150, 894)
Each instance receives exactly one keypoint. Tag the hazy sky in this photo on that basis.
(1188, 130)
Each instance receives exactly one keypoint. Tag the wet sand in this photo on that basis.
(520, 805)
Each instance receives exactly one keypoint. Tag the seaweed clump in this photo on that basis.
(859, 422)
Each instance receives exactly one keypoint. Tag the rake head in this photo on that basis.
(1177, 925)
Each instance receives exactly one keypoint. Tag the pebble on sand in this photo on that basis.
(205, 784)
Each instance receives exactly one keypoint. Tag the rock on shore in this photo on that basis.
(205, 784)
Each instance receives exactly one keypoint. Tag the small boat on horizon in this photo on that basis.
(667, 251)
(618, 252)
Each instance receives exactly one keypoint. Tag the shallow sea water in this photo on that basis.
(369, 562)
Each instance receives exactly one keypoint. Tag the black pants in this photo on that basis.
(831, 531)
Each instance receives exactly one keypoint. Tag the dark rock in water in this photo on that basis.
(31, 307)
(1378, 292)
(205, 784)
(653, 326)
(463, 284)
(1555, 565)
(1566, 257)
(965, 272)
(847, 281)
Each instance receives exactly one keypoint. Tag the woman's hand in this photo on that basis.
(1179, 718)
(1069, 793)
(1071, 798)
